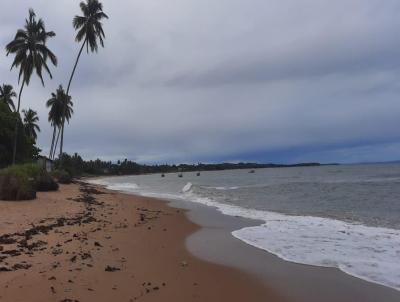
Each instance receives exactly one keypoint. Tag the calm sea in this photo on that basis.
(346, 217)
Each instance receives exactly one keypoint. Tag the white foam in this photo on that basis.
(369, 253)
(124, 186)
(187, 187)
(130, 187)
(225, 188)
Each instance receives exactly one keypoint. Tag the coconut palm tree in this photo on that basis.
(31, 54)
(58, 101)
(90, 33)
(55, 117)
(30, 123)
(7, 94)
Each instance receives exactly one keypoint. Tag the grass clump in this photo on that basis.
(18, 182)
(25, 170)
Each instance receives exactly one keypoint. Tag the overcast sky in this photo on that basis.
(224, 80)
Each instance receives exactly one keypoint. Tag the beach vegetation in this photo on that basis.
(30, 54)
(31, 126)
(7, 96)
(27, 150)
(17, 182)
(21, 182)
(58, 101)
(62, 176)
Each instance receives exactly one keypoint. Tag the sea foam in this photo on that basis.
(369, 253)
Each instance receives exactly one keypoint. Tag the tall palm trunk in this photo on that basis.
(17, 123)
(52, 141)
(64, 109)
(55, 146)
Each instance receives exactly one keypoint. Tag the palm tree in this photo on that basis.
(7, 94)
(30, 123)
(31, 53)
(90, 31)
(55, 116)
(58, 101)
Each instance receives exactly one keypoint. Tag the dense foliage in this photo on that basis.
(27, 149)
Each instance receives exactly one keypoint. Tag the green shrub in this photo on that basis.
(18, 182)
(62, 176)
(44, 182)
(25, 170)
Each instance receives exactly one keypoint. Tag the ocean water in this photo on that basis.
(347, 217)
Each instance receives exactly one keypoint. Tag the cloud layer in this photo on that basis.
(208, 80)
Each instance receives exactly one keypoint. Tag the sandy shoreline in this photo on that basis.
(84, 244)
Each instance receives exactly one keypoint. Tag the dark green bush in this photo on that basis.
(62, 176)
(18, 182)
(26, 150)
(44, 182)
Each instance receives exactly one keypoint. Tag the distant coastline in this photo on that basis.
(76, 166)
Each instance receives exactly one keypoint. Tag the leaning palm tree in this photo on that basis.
(30, 123)
(90, 31)
(7, 94)
(56, 103)
(31, 53)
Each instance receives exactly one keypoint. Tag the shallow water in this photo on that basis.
(335, 216)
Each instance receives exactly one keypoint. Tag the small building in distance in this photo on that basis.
(45, 163)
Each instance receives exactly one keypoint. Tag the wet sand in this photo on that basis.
(295, 282)
(89, 244)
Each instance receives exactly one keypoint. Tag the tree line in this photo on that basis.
(32, 56)
(76, 166)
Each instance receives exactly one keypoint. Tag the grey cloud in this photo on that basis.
(197, 80)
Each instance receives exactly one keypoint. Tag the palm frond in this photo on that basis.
(89, 28)
(29, 47)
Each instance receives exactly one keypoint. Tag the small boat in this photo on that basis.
(163, 175)
(180, 175)
(198, 174)
(252, 171)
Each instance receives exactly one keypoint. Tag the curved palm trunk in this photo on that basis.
(69, 85)
(17, 123)
(55, 146)
(52, 141)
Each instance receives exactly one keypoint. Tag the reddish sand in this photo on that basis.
(76, 245)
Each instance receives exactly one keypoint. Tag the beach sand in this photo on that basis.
(88, 244)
